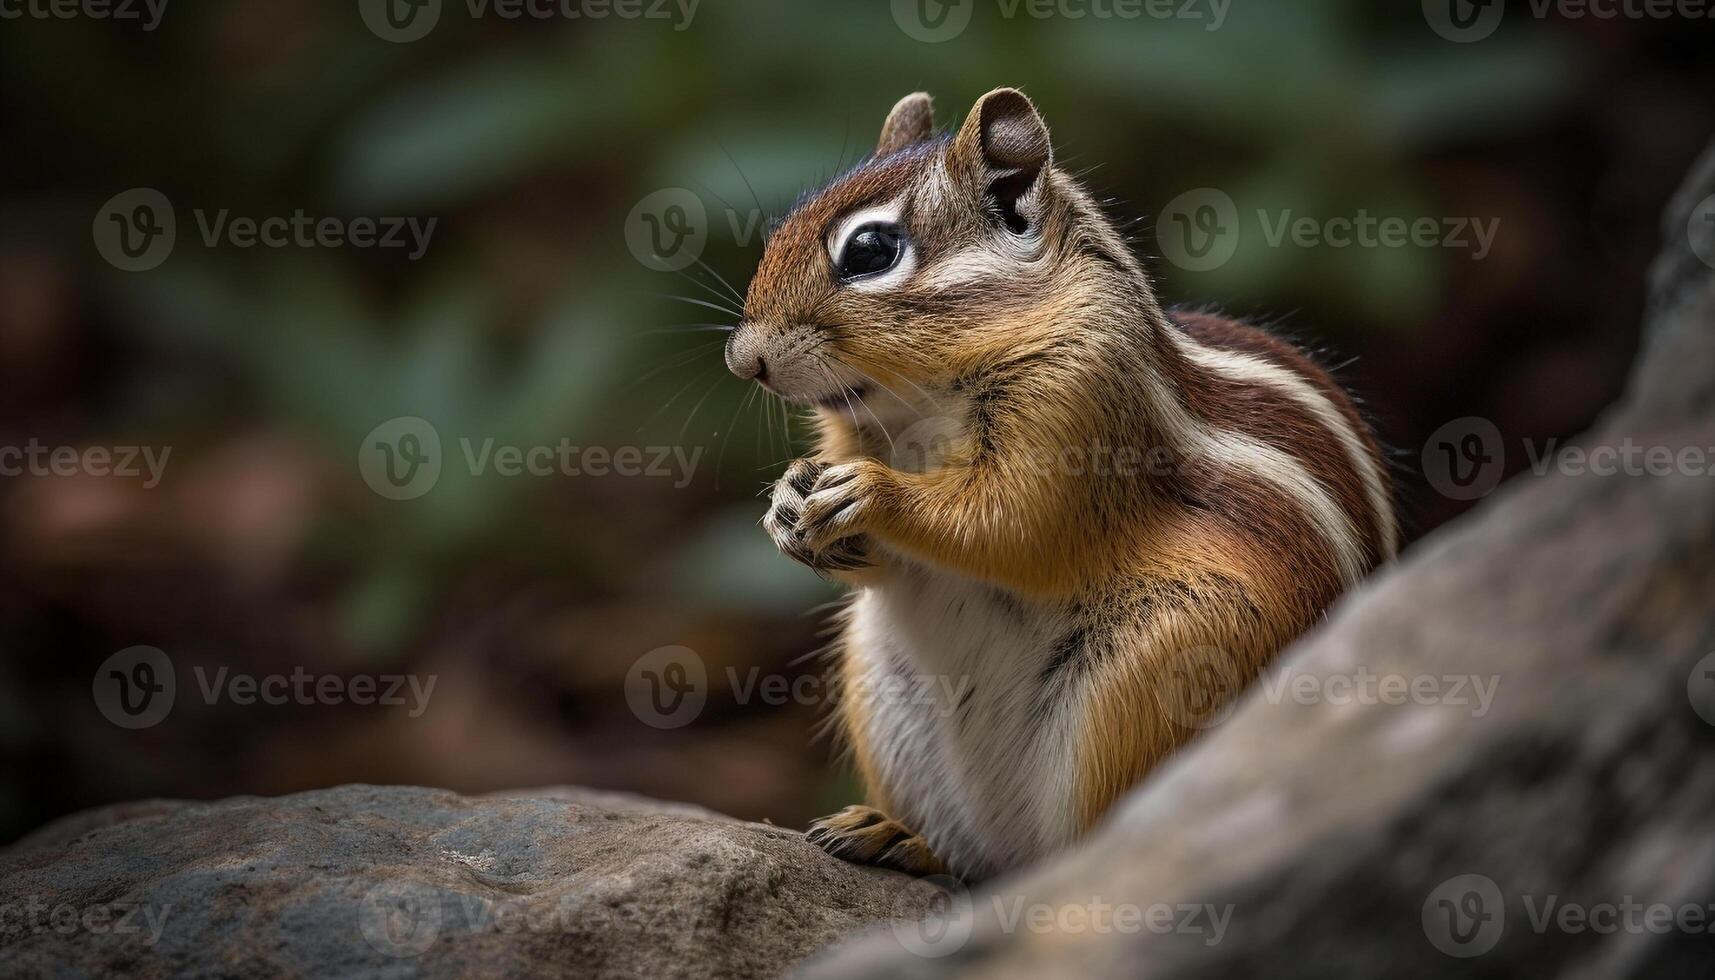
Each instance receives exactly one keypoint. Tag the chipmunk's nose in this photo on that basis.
(744, 354)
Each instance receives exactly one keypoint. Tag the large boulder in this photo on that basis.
(370, 881)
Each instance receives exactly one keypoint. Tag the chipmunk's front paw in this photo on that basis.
(839, 503)
(865, 835)
(784, 523)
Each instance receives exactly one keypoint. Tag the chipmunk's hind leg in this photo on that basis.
(865, 835)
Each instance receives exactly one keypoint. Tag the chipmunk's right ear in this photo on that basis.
(911, 121)
(1003, 146)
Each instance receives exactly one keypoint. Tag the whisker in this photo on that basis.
(688, 328)
(786, 428)
(891, 450)
(720, 461)
(932, 399)
(694, 408)
(691, 299)
(876, 381)
(846, 393)
(693, 280)
(669, 403)
(683, 358)
(721, 279)
(767, 418)
(757, 200)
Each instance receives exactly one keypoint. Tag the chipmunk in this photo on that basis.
(1086, 611)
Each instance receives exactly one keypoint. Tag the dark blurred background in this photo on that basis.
(535, 144)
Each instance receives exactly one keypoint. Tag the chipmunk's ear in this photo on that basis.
(1004, 146)
(911, 121)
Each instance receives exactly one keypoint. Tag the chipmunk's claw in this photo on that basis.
(865, 835)
(785, 524)
(835, 508)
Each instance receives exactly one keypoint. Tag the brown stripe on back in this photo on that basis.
(1245, 523)
(1272, 416)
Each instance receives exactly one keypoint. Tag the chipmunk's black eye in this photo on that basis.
(872, 249)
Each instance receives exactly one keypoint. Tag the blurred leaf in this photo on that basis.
(731, 564)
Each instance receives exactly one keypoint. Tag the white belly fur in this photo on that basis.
(989, 784)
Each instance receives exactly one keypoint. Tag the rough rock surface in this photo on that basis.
(1566, 830)
(369, 881)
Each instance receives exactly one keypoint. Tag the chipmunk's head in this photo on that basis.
(922, 264)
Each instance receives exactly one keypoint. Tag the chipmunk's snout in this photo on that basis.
(744, 354)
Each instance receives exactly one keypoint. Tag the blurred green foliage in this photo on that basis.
(528, 320)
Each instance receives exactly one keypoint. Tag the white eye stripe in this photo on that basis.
(888, 213)
(885, 213)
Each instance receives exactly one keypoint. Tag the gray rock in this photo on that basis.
(1565, 829)
(368, 881)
